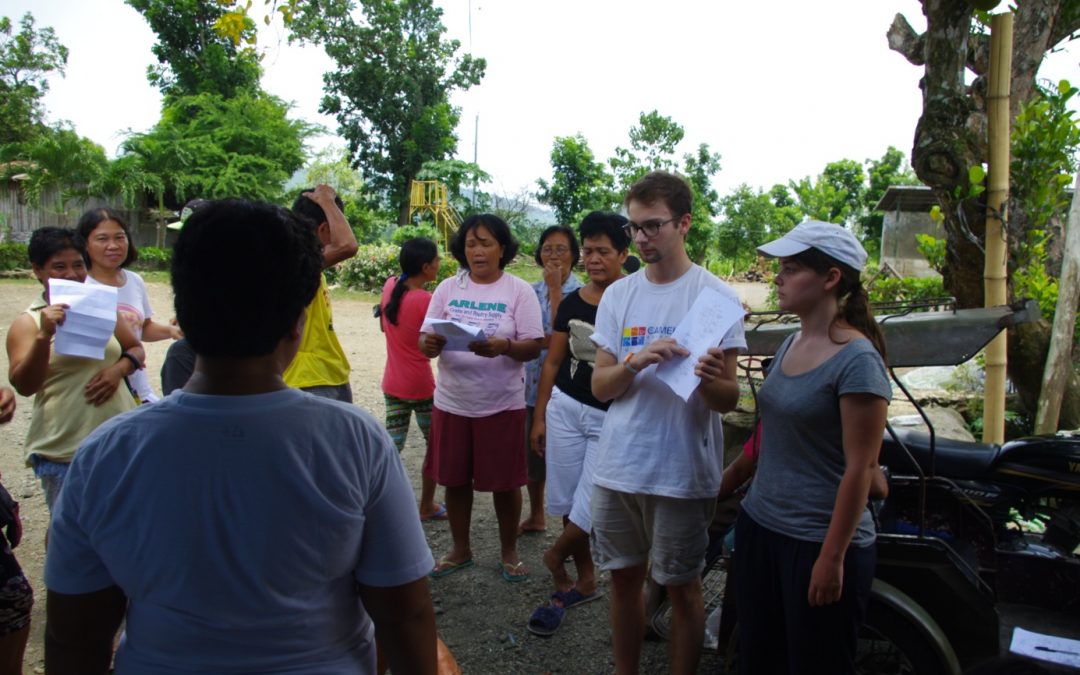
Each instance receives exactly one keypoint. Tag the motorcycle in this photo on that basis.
(973, 539)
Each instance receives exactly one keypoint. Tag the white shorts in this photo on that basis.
(573, 433)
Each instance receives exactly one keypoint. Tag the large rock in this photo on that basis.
(947, 423)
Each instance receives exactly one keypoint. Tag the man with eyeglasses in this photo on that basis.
(660, 458)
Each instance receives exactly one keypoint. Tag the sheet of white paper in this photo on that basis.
(89, 321)
(458, 335)
(1045, 647)
(709, 319)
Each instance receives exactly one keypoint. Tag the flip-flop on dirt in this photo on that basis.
(574, 597)
(438, 515)
(446, 567)
(514, 573)
(546, 620)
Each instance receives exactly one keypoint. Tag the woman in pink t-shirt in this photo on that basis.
(407, 384)
(478, 422)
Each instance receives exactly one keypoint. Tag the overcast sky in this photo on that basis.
(778, 88)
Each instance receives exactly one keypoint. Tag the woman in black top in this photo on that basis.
(567, 419)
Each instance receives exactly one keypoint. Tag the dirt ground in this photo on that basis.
(481, 617)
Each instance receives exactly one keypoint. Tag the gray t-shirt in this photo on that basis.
(801, 461)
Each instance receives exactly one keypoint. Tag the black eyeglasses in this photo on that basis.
(651, 228)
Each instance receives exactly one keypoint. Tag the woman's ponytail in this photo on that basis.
(415, 253)
(855, 310)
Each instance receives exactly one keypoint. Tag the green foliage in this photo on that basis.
(910, 289)
(56, 158)
(933, 249)
(407, 232)
(152, 258)
(835, 196)
(214, 147)
(193, 56)
(457, 175)
(579, 184)
(13, 256)
(750, 218)
(1044, 144)
(391, 87)
(891, 169)
(27, 59)
(373, 264)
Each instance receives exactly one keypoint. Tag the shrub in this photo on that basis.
(407, 232)
(373, 264)
(910, 289)
(13, 256)
(152, 258)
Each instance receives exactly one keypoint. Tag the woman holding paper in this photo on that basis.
(109, 250)
(407, 384)
(72, 395)
(478, 422)
(805, 538)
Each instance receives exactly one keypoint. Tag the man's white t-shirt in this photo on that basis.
(653, 442)
(239, 528)
(133, 306)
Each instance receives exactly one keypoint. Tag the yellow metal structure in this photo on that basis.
(432, 196)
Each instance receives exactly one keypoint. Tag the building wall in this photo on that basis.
(19, 218)
(899, 247)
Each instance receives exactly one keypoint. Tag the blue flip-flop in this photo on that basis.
(546, 620)
(438, 515)
(507, 570)
(574, 597)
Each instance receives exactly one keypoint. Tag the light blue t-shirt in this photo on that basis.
(533, 368)
(239, 528)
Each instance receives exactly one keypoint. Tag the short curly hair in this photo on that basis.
(242, 272)
(498, 229)
(575, 253)
(45, 242)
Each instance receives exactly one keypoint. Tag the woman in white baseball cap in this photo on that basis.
(805, 538)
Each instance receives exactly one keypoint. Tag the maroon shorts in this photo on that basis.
(488, 452)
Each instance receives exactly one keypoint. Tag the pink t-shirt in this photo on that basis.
(475, 386)
(408, 372)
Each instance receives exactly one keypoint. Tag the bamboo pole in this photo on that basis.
(1001, 31)
(1059, 360)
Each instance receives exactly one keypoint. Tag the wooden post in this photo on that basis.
(1059, 360)
(994, 275)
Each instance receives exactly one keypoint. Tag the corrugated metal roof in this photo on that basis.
(906, 198)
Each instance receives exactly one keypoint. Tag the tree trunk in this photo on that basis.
(950, 137)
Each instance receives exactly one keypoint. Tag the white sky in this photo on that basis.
(778, 88)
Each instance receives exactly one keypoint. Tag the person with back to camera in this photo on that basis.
(321, 367)
(239, 525)
(557, 255)
(72, 394)
(569, 418)
(109, 251)
(16, 596)
(408, 384)
(805, 550)
(478, 422)
(659, 458)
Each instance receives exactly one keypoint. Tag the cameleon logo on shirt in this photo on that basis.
(480, 306)
(636, 336)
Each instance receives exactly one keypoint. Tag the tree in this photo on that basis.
(59, 158)
(390, 91)
(836, 195)
(331, 166)
(194, 57)
(579, 184)
(950, 140)
(891, 169)
(27, 59)
(653, 143)
(212, 147)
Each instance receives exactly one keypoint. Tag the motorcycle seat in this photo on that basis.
(952, 458)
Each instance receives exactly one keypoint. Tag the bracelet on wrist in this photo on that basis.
(131, 357)
(626, 364)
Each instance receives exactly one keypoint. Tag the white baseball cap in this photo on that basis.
(832, 240)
